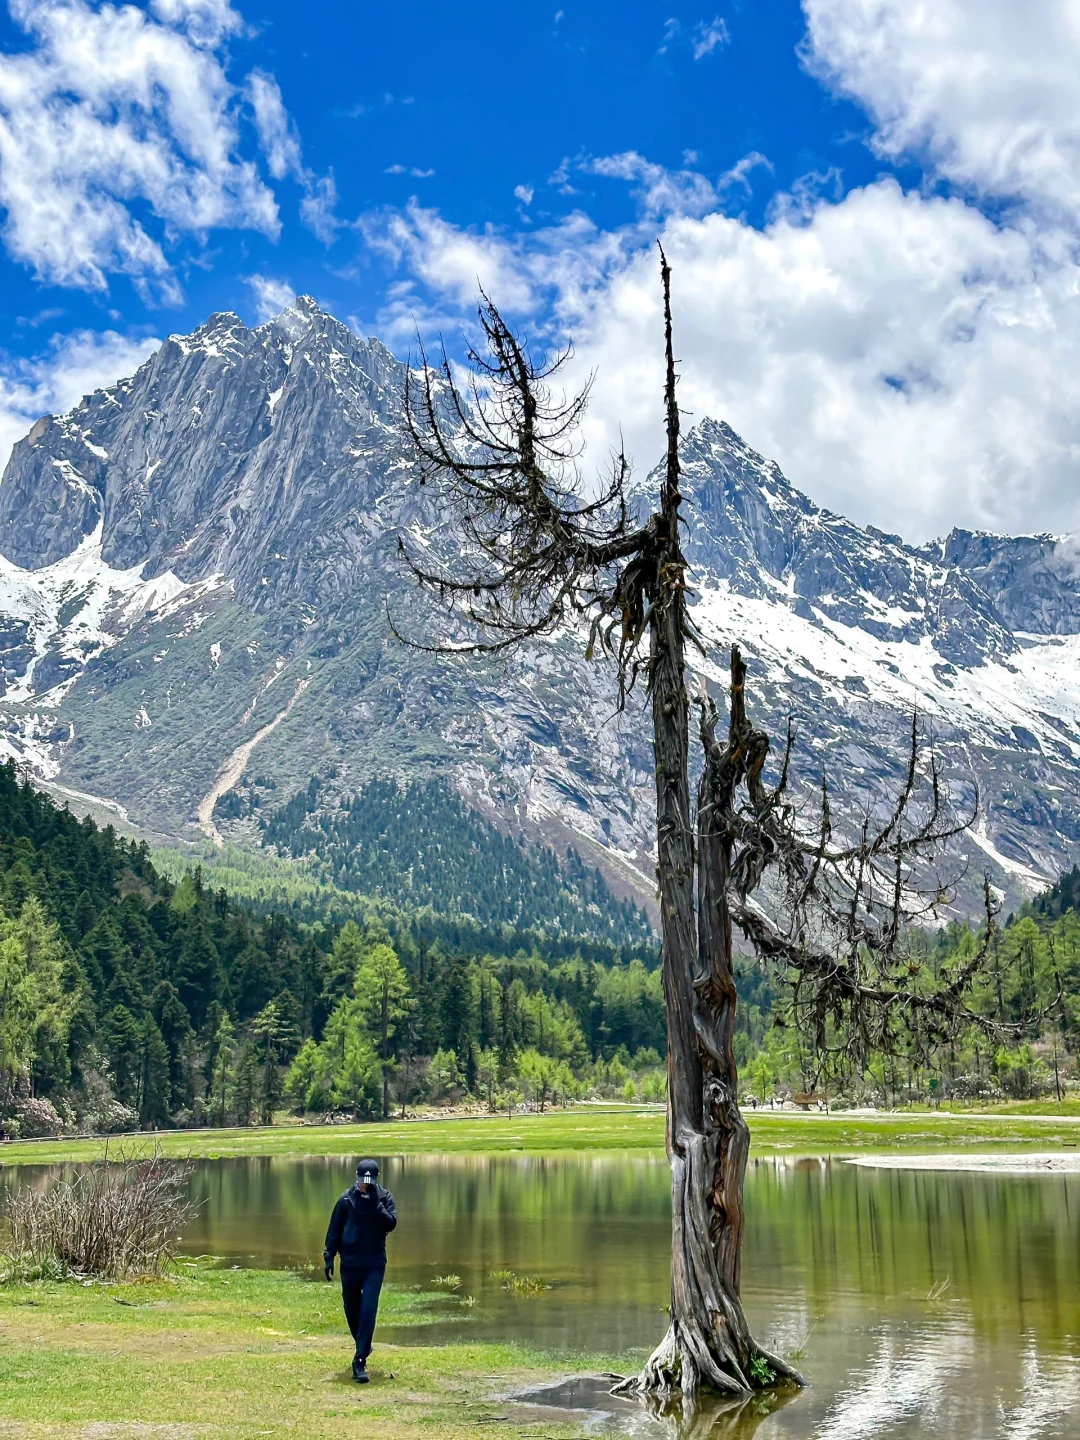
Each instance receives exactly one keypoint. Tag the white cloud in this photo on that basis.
(280, 143)
(984, 90)
(672, 31)
(702, 38)
(412, 170)
(909, 358)
(208, 22)
(524, 193)
(318, 206)
(905, 359)
(271, 296)
(277, 133)
(112, 110)
(708, 36)
(120, 132)
(737, 178)
(449, 261)
(51, 383)
(658, 190)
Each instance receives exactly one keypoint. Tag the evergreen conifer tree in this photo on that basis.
(122, 1038)
(154, 1087)
(198, 975)
(457, 1007)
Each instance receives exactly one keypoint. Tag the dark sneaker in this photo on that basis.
(359, 1371)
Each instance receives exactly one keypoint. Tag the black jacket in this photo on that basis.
(359, 1226)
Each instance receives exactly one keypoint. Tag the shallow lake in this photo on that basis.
(920, 1303)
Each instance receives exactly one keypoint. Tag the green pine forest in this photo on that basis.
(147, 991)
(420, 845)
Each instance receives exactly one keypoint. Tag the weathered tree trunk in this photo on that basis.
(708, 1343)
(545, 556)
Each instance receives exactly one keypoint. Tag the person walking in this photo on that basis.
(357, 1232)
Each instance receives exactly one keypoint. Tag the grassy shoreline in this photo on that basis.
(245, 1353)
(573, 1130)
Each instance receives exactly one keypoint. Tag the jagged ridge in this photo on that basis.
(199, 549)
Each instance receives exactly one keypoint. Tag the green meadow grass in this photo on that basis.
(583, 1128)
(243, 1353)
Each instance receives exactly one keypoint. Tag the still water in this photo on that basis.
(919, 1303)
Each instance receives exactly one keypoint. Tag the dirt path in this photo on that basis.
(234, 767)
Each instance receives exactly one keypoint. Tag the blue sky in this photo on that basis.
(872, 208)
(462, 106)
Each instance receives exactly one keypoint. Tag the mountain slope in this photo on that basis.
(199, 562)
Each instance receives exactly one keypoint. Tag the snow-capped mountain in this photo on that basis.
(195, 567)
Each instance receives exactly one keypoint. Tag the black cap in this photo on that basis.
(368, 1167)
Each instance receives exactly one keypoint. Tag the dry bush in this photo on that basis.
(113, 1219)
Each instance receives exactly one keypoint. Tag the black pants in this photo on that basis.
(360, 1287)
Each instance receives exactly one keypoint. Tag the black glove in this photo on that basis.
(328, 1269)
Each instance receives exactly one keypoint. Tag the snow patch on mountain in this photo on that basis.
(1033, 701)
(77, 607)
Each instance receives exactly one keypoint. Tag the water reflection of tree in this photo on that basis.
(717, 1417)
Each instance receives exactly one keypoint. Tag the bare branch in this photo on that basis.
(842, 944)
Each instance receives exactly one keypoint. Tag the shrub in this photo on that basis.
(974, 1087)
(111, 1220)
(444, 1080)
(37, 1118)
(102, 1113)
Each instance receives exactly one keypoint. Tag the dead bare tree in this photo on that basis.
(533, 555)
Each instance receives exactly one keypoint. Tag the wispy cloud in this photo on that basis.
(738, 177)
(701, 38)
(53, 381)
(271, 296)
(318, 207)
(280, 143)
(672, 31)
(277, 134)
(659, 191)
(709, 35)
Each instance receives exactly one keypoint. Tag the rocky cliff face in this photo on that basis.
(1031, 579)
(263, 455)
(198, 563)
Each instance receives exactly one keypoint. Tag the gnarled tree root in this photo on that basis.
(684, 1363)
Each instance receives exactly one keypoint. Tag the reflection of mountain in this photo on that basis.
(210, 544)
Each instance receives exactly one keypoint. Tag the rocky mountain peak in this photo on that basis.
(1033, 580)
(199, 559)
(756, 533)
(229, 450)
